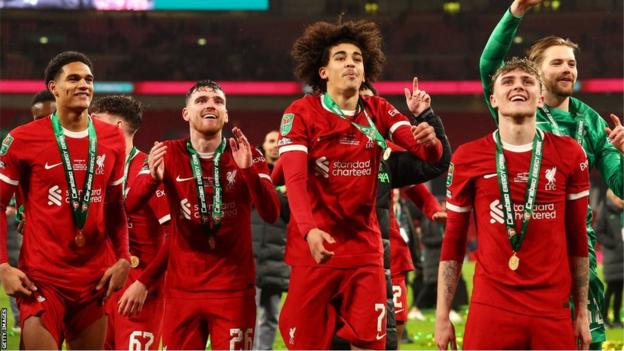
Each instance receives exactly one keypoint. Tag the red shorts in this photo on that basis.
(138, 332)
(63, 317)
(229, 321)
(399, 297)
(322, 301)
(492, 328)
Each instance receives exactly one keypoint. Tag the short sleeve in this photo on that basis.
(159, 205)
(578, 181)
(460, 185)
(260, 166)
(10, 159)
(293, 133)
(120, 159)
(389, 119)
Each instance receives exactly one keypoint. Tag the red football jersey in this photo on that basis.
(145, 229)
(193, 266)
(400, 256)
(32, 160)
(541, 285)
(342, 177)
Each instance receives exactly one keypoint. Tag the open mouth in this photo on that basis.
(515, 98)
(209, 116)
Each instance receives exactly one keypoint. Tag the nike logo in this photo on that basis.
(399, 310)
(488, 176)
(47, 166)
(178, 179)
(379, 337)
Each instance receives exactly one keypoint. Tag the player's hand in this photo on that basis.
(315, 239)
(445, 334)
(418, 100)
(616, 135)
(156, 160)
(132, 300)
(424, 134)
(439, 217)
(10, 211)
(15, 282)
(520, 7)
(115, 277)
(241, 150)
(581, 329)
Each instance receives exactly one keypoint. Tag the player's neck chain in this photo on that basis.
(217, 198)
(371, 131)
(80, 206)
(579, 126)
(129, 158)
(529, 196)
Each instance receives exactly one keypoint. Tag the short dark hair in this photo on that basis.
(55, 66)
(311, 50)
(127, 107)
(42, 96)
(202, 84)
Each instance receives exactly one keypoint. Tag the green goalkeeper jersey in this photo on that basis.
(593, 138)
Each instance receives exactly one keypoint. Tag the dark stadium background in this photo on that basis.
(436, 40)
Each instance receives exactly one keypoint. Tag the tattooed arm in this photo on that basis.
(448, 276)
(580, 276)
(451, 258)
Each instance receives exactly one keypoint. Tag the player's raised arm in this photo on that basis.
(498, 45)
(256, 173)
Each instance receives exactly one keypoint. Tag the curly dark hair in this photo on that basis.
(55, 66)
(127, 107)
(311, 50)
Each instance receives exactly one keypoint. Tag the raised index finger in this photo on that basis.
(616, 120)
(415, 84)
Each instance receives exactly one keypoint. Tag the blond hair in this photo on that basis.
(536, 52)
(522, 64)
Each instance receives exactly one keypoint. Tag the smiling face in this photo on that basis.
(516, 93)
(558, 68)
(206, 111)
(345, 69)
(271, 152)
(73, 88)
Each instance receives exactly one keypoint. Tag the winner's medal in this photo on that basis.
(80, 239)
(134, 261)
(530, 195)
(386, 154)
(514, 262)
(79, 206)
(208, 226)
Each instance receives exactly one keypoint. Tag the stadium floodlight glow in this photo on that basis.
(452, 7)
(43, 40)
(290, 88)
(201, 41)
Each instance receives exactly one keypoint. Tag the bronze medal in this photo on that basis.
(514, 262)
(80, 239)
(134, 262)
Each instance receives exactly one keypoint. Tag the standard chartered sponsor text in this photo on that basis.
(351, 168)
